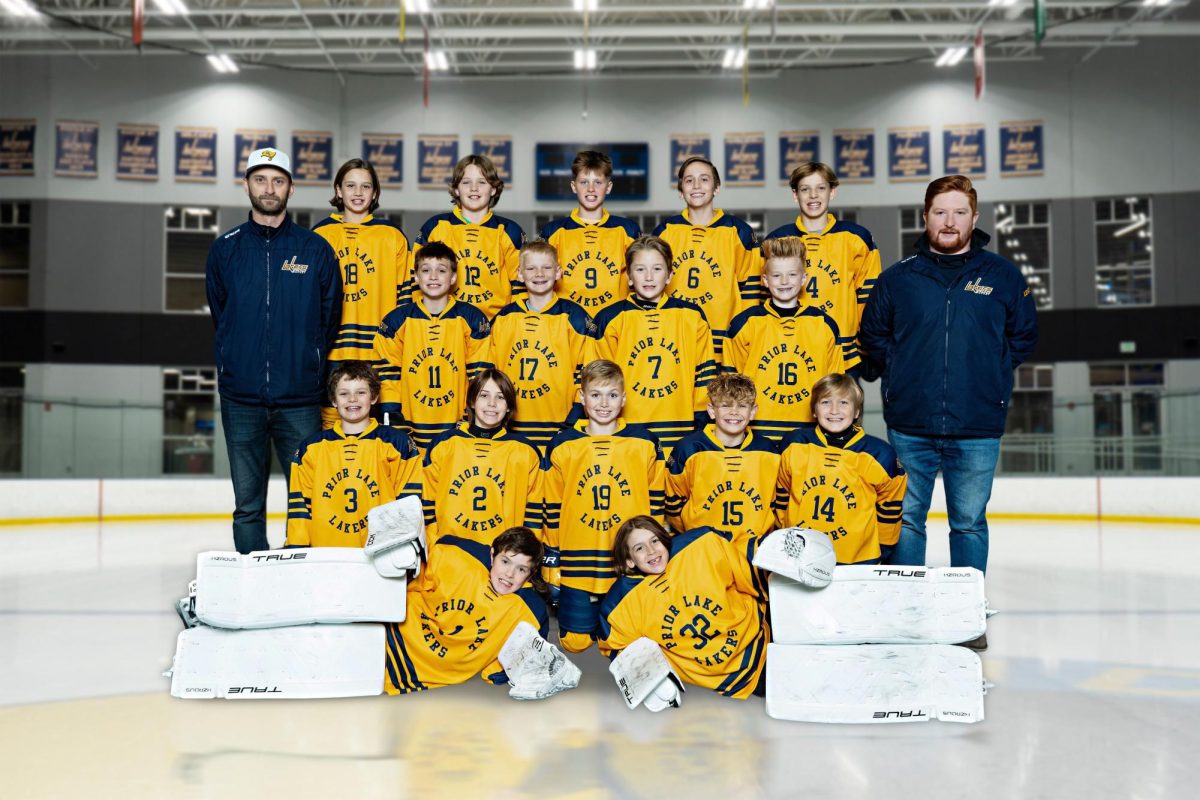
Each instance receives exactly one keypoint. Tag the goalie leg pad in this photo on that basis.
(535, 668)
(644, 675)
(881, 605)
(294, 587)
(874, 683)
(308, 661)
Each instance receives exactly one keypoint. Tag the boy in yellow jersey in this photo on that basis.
(725, 476)
(542, 342)
(374, 260)
(591, 242)
(717, 258)
(837, 479)
(784, 346)
(461, 610)
(340, 474)
(662, 344)
(479, 478)
(599, 473)
(843, 262)
(429, 348)
(486, 244)
(698, 596)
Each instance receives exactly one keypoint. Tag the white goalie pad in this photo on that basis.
(396, 538)
(644, 675)
(881, 605)
(307, 661)
(275, 588)
(535, 668)
(799, 554)
(874, 683)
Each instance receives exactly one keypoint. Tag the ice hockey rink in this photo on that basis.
(1095, 661)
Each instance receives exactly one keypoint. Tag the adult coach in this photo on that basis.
(275, 297)
(945, 328)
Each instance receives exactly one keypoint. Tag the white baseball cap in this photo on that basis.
(269, 157)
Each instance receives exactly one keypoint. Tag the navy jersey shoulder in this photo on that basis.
(432, 222)
(743, 318)
(879, 450)
(684, 540)
(477, 550)
(841, 226)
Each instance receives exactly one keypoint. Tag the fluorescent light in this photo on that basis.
(587, 5)
(1139, 221)
(217, 63)
(19, 8)
(436, 61)
(757, 5)
(735, 58)
(230, 64)
(1155, 3)
(172, 7)
(1005, 3)
(951, 56)
(585, 59)
(416, 6)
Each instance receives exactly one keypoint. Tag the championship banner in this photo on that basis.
(245, 142)
(796, 148)
(16, 146)
(499, 149)
(685, 146)
(137, 152)
(196, 155)
(312, 157)
(436, 157)
(76, 145)
(854, 155)
(908, 154)
(385, 152)
(745, 159)
(964, 150)
(1022, 148)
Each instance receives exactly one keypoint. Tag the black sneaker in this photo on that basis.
(978, 644)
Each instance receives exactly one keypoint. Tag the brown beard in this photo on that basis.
(961, 241)
(266, 212)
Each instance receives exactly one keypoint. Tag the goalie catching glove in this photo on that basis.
(535, 668)
(396, 538)
(800, 554)
(644, 676)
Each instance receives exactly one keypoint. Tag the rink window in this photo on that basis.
(14, 253)
(189, 420)
(188, 234)
(1124, 252)
(912, 226)
(1023, 237)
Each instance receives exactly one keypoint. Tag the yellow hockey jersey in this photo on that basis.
(426, 361)
(477, 488)
(338, 477)
(854, 493)
(542, 352)
(717, 267)
(784, 356)
(707, 611)
(665, 351)
(730, 489)
(488, 253)
(843, 265)
(592, 485)
(373, 255)
(456, 624)
(592, 257)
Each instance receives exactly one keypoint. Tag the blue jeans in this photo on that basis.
(250, 431)
(967, 466)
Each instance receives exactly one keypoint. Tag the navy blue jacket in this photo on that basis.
(946, 343)
(275, 295)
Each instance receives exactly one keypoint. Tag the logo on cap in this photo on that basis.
(269, 155)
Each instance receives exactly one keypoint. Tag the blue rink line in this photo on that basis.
(83, 612)
(1099, 612)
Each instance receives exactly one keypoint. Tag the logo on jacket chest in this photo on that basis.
(977, 287)
(294, 268)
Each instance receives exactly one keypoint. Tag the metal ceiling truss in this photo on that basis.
(538, 39)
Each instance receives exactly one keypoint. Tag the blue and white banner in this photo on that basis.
(76, 145)
(245, 142)
(436, 157)
(854, 155)
(498, 148)
(312, 157)
(796, 148)
(908, 154)
(1022, 148)
(137, 152)
(745, 159)
(16, 146)
(685, 146)
(964, 150)
(385, 152)
(196, 155)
